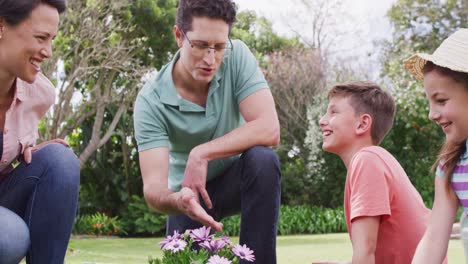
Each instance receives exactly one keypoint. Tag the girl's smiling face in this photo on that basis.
(448, 102)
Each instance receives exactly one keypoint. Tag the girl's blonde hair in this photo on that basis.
(451, 152)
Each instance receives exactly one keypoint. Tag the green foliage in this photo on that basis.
(295, 176)
(155, 20)
(326, 171)
(98, 224)
(138, 219)
(310, 220)
(419, 26)
(257, 33)
(112, 174)
(231, 225)
(298, 220)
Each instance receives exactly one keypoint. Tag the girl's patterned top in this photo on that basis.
(459, 179)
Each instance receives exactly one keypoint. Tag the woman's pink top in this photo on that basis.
(29, 105)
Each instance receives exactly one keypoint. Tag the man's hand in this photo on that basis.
(188, 204)
(27, 154)
(195, 177)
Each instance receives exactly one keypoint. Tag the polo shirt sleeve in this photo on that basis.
(370, 192)
(249, 77)
(150, 131)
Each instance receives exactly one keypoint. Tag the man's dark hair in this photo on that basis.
(218, 9)
(15, 11)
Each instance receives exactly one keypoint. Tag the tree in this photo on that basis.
(101, 54)
(258, 34)
(418, 26)
(295, 77)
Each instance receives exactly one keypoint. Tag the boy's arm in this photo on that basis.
(433, 246)
(364, 238)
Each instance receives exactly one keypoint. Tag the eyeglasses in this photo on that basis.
(200, 49)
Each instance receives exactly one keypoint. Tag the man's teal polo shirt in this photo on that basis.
(163, 119)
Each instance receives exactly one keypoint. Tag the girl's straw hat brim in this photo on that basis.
(451, 54)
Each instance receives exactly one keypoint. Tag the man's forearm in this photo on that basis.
(254, 133)
(162, 200)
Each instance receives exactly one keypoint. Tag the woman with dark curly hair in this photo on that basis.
(38, 184)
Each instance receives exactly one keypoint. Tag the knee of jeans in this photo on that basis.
(263, 163)
(260, 156)
(62, 160)
(14, 238)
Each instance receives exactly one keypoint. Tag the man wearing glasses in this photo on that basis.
(204, 126)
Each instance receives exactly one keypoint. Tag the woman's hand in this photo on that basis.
(27, 154)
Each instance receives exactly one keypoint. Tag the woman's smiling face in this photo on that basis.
(23, 47)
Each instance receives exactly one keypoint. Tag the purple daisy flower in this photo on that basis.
(244, 252)
(169, 239)
(226, 240)
(213, 246)
(175, 245)
(218, 260)
(201, 234)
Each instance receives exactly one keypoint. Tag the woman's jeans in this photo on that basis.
(45, 195)
(252, 186)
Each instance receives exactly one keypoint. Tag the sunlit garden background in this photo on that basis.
(104, 51)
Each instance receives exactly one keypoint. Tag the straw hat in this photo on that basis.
(452, 54)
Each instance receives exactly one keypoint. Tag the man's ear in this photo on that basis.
(364, 125)
(178, 36)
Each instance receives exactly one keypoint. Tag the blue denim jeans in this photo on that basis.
(14, 238)
(45, 195)
(251, 186)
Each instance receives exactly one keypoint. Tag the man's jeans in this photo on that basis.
(252, 186)
(45, 195)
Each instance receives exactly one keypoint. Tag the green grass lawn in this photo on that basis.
(290, 249)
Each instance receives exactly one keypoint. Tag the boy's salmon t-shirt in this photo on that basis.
(377, 185)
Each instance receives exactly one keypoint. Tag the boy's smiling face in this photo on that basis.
(338, 125)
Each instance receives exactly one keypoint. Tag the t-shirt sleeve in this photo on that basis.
(249, 77)
(370, 193)
(150, 131)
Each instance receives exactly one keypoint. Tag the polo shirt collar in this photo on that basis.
(169, 94)
(168, 91)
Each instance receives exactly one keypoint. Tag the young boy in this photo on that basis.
(385, 215)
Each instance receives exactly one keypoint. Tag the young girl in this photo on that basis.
(445, 78)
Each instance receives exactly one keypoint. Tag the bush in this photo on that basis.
(98, 224)
(298, 220)
(231, 225)
(138, 219)
(311, 220)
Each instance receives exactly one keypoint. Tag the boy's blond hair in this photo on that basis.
(369, 98)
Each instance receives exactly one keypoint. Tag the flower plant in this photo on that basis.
(199, 246)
